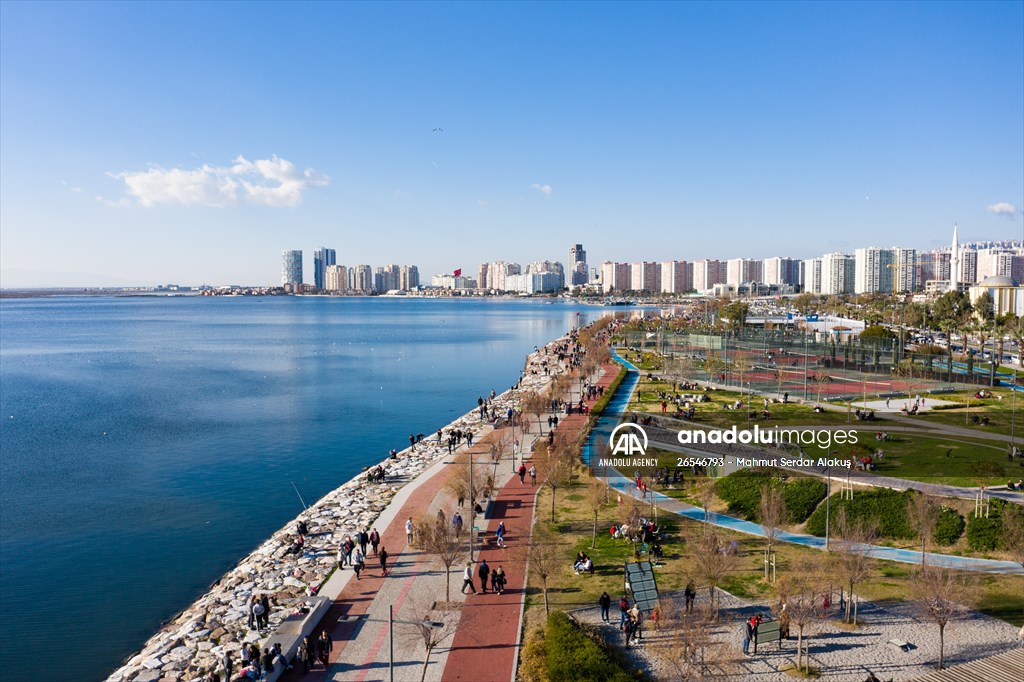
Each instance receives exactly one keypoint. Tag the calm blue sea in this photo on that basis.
(147, 444)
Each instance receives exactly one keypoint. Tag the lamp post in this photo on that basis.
(828, 499)
(391, 631)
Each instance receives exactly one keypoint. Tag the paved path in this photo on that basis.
(486, 647)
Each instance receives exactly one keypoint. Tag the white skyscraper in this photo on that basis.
(954, 264)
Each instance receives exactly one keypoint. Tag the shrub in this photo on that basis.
(948, 528)
(983, 533)
(887, 507)
(741, 490)
(573, 656)
(802, 496)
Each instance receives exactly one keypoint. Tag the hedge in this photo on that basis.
(948, 528)
(888, 507)
(573, 656)
(802, 496)
(741, 490)
(983, 534)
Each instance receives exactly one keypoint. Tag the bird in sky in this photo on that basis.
(438, 130)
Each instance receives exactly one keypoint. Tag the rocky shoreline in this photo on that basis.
(195, 639)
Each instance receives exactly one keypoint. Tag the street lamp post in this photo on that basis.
(828, 498)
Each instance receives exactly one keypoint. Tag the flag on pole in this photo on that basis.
(457, 272)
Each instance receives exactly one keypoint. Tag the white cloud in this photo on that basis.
(1003, 208)
(266, 182)
(543, 189)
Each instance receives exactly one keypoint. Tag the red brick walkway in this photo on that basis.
(486, 646)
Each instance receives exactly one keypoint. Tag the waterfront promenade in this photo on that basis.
(483, 629)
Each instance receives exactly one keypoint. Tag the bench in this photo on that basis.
(768, 631)
(899, 644)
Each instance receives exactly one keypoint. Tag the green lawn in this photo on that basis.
(1003, 415)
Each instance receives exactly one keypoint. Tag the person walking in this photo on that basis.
(324, 645)
(628, 628)
(364, 540)
(484, 571)
(533, 475)
(467, 578)
(623, 612)
(606, 604)
(306, 654)
(638, 622)
(374, 540)
(358, 561)
(408, 531)
(499, 534)
(383, 562)
(522, 474)
(690, 593)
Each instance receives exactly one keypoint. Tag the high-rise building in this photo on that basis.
(336, 278)
(676, 277)
(360, 278)
(322, 257)
(873, 270)
(904, 272)
(645, 276)
(837, 273)
(743, 270)
(708, 273)
(615, 277)
(781, 271)
(954, 263)
(481, 278)
(291, 267)
(812, 276)
(577, 265)
(409, 277)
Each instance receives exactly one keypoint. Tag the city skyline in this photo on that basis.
(448, 135)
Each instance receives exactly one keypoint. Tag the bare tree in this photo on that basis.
(430, 629)
(555, 466)
(802, 590)
(942, 595)
(713, 559)
(596, 493)
(851, 553)
(923, 514)
(497, 448)
(706, 494)
(458, 481)
(679, 369)
(537, 404)
(689, 650)
(771, 513)
(441, 543)
(544, 557)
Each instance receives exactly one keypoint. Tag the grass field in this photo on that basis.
(999, 596)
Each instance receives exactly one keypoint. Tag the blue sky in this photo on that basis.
(143, 143)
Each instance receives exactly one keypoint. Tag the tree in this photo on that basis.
(735, 315)
(678, 369)
(851, 554)
(802, 590)
(771, 513)
(458, 482)
(429, 632)
(1016, 330)
(985, 309)
(544, 557)
(942, 595)
(537, 404)
(596, 492)
(923, 514)
(876, 333)
(689, 650)
(497, 448)
(555, 466)
(706, 494)
(438, 539)
(713, 558)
